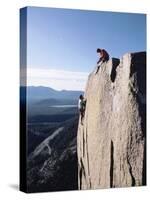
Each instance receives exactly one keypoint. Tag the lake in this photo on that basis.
(63, 106)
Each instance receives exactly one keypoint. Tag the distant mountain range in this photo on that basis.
(41, 93)
(44, 104)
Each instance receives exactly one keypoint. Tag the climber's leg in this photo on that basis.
(82, 116)
(98, 66)
(97, 69)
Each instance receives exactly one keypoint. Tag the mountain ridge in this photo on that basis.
(40, 93)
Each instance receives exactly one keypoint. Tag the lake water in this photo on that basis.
(64, 106)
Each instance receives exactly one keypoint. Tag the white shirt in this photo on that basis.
(79, 104)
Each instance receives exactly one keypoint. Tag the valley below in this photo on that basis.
(52, 144)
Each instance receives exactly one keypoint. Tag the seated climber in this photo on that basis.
(81, 107)
(104, 57)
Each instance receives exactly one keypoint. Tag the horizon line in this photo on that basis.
(51, 88)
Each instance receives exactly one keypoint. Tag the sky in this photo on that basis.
(62, 43)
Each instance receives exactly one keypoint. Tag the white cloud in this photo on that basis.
(57, 79)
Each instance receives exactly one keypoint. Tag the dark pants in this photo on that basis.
(103, 59)
(82, 114)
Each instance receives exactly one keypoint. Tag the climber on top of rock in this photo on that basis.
(104, 57)
(81, 107)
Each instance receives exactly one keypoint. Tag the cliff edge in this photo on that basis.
(111, 143)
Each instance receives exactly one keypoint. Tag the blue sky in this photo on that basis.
(62, 43)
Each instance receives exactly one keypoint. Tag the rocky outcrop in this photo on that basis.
(111, 142)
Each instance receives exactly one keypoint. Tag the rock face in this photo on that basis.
(112, 140)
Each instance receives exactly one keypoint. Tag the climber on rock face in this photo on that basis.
(104, 57)
(81, 107)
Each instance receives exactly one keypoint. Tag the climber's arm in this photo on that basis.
(99, 60)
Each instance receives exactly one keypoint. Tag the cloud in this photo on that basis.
(57, 79)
